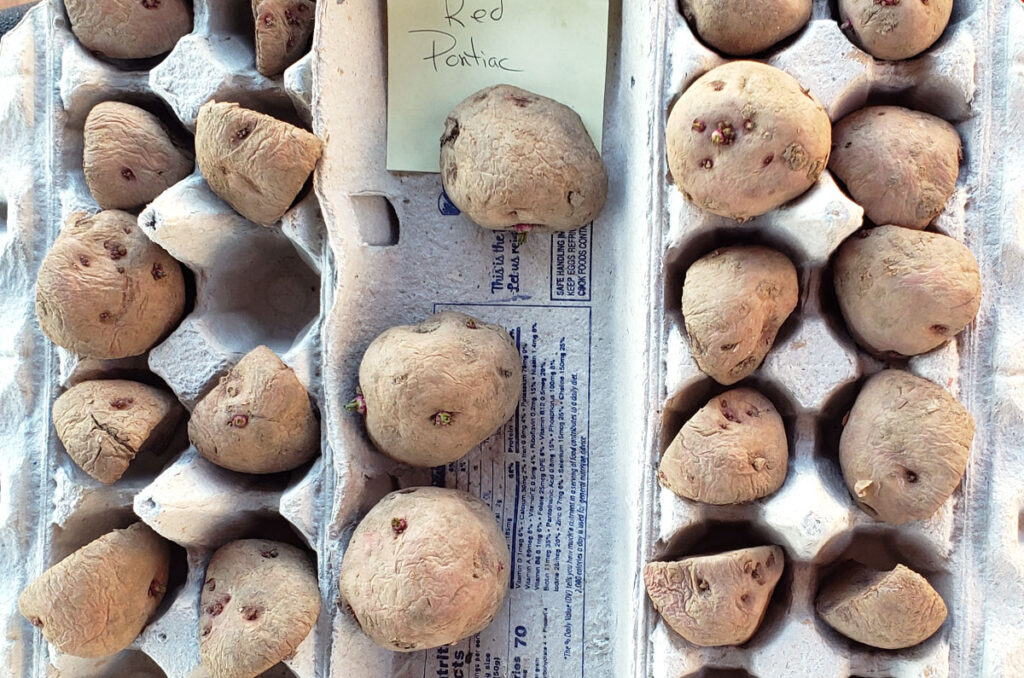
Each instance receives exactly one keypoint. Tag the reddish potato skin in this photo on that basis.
(745, 27)
(129, 29)
(895, 30)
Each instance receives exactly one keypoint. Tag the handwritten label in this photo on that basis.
(441, 51)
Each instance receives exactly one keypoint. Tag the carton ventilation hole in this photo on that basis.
(378, 221)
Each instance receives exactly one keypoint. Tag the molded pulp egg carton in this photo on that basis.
(609, 379)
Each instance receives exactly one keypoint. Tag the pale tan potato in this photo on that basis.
(260, 600)
(105, 290)
(735, 299)
(895, 29)
(96, 601)
(436, 390)
(733, 450)
(104, 424)
(911, 181)
(890, 609)
(904, 447)
(255, 162)
(515, 160)
(905, 292)
(283, 31)
(258, 419)
(718, 599)
(746, 138)
(129, 29)
(745, 27)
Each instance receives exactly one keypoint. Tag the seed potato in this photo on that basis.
(129, 29)
(105, 290)
(426, 567)
(515, 160)
(895, 29)
(745, 27)
(283, 31)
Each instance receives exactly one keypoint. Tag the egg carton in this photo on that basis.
(608, 374)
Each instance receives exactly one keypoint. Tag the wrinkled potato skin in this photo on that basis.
(511, 157)
(129, 29)
(107, 291)
(745, 27)
(96, 601)
(715, 600)
(439, 579)
(888, 610)
(105, 424)
(283, 31)
(735, 299)
(258, 419)
(904, 447)
(129, 159)
(897, 31)
(255, 162)
(260, 600)
(782, 140)
(733, 450)
(905, 292)
(910, 182)
(410, 373)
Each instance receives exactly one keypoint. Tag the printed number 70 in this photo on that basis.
(520, 636)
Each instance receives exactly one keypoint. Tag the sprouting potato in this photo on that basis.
(283, 30)
(745, 27)
(129, 29)
(895, 29)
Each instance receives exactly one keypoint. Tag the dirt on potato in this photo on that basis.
(745, 27)
(894, 29)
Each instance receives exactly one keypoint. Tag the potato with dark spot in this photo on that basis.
(895, 29)
(735, 299)
(129, 158)
(718, 599)
(746, 138)
(426, 567)
(434, 391)
(255, 162)
(904, 447)
(890, 610)
(908, 184)
(258, 419)
(96, 601)
(732, 451)
(905, 292)
(104, 424)
(515, 160)
(129, 29)
(107, 291)
(745, 27)
(260, 600)
(283, 31)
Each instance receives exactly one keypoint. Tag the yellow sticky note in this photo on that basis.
(441, 51)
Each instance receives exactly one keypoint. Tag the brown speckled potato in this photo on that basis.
(895, 29)
(745, 27)
(260, 600)
(890, 610)
(255, 162)
(735, 299)
(426, 567)
(732, 451)
(105, 290)
(514, 160)
(283, 30)
(908, 184)
(129, 29)
(129, 159)
(715, 600)
(105, 424)
(258, 419)
(436, 390)
(904, 447)
(96, 601)
(905, 292)
(746, 138)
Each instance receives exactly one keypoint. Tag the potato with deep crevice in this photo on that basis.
(105, 290)
(895, 29)
(283, 31)
(745, 27)
(904, 447)
(432, 392)
(426, 567)
(746, 138)
(515, 160)
(96, 601)
(129, 29)
(718, 599)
